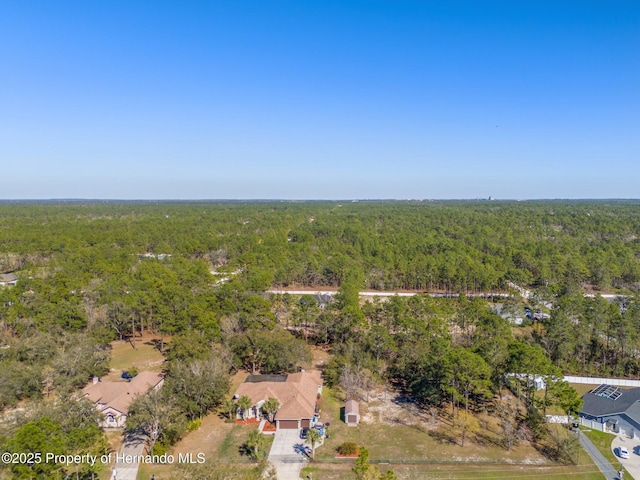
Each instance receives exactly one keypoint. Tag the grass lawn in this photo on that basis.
(582, 388)
(461, 471)
(413, 452)
(218, 440)
(145, 356)
(397, 441)
(602, 441)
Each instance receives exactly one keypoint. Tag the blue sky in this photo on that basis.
(320, 99)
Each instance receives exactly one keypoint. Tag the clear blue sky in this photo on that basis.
(320, 99)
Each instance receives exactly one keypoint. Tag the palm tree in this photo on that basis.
(270, 407)
(313, 437)
(256, 442)
(230, 408)
(244, 404)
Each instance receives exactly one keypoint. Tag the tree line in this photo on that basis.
(196, 272)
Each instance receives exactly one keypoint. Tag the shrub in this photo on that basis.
(194, 424)
(348, 448)
(158, 449)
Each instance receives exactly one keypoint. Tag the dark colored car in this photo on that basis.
(303, 433)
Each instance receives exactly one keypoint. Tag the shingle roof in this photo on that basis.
(352, 406)
(297, 395)
(119, 395)
(599, 406)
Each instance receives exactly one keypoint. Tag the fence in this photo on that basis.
(619, 382)
(557, 419)
(619, 428)
(594, 425)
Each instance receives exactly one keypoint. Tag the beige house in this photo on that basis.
(297, 394)
(113, 398)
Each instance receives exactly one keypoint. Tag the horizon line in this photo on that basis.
(346, 200)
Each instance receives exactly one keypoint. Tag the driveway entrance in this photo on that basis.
(289, 454)
(632, 464)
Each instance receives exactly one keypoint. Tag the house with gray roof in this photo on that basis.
(8, 279)
(616, 409)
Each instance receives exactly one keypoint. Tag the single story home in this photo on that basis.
(352, 413)
(297, 394)
(8, 279)
(323, 300)
(113, 398)
(614, 409)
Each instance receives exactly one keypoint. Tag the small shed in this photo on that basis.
(352, 413)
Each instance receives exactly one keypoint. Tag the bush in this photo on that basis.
(158, 449)
(348, 448)
(194, 424)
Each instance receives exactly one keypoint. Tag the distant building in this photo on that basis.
(323, 300)
(535, 381)
(8, 279)
(157, 256)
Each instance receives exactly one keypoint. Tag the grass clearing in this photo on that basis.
(415, 451)
(146, 356)
(389, 439)
(582, 388)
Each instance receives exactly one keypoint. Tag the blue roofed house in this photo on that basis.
(611, 409)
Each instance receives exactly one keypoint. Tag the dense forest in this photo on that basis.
(197, 272)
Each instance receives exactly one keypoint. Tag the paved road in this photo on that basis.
(375, 293)
(603, 464)
(372, 293)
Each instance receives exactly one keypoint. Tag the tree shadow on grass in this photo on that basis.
(245, 451)
(156, 343)
(483, 439)
(442, 437)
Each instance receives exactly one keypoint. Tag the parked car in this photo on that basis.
(624, 453)
(303, 433)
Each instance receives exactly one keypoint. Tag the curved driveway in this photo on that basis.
(632, 464)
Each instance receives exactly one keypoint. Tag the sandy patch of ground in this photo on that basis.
(320, 357)
(389, 407)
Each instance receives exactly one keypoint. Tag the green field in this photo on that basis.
(146, 356)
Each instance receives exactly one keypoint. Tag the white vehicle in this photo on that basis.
(624, 453)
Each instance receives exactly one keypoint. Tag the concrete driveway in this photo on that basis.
(134, 446)
(632, 464)
(289, 454)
